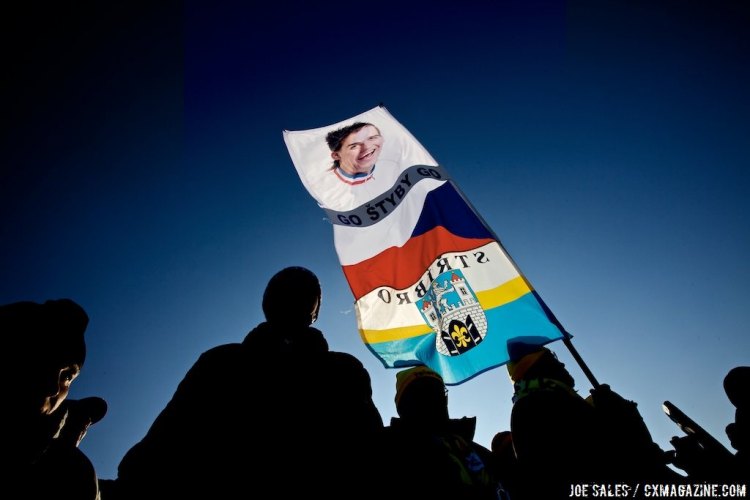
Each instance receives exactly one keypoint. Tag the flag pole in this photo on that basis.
(584, 367)
(566, 337)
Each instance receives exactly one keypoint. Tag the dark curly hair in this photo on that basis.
(336, 137)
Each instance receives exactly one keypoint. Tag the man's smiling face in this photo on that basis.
(359, 150)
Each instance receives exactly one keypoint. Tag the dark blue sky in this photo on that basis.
(605, 142)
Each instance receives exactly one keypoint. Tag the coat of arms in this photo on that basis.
(452, 310)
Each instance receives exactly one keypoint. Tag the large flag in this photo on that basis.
(432, 283)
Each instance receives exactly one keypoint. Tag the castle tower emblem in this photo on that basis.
(452, 310)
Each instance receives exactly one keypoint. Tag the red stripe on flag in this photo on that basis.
(402, 267)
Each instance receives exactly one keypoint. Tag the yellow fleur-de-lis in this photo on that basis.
(460, 335)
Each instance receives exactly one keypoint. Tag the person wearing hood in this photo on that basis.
(278, 413)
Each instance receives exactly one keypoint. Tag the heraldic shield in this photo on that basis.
(452, 310)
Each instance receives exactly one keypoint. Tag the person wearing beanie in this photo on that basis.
(531, 364)
(48, 351)
(561, 438)
(555, 432)
(436, 409)
(48, 346)
(444, 460)
(277, 415)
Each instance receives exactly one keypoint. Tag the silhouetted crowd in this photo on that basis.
(279, 415)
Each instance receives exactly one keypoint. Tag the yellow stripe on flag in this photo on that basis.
(489, 299)
(404, 332)
(507, 292)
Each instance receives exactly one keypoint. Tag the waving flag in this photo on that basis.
(432, 284)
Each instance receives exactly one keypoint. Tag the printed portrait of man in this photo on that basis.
(347, 164)
(355, 150)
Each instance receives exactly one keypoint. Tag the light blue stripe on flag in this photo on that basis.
(523, 317)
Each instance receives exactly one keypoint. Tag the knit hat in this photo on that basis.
(523, 353)
(55, 326)
(405, 377)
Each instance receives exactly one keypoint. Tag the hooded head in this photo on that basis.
(292, 297)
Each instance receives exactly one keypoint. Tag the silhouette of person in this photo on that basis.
(278, 415)
(561, 438)
(737, 388)
(47, 351)
(506, 465)
(442, 461)
(705, 461)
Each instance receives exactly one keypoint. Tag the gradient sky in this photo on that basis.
(605, 142)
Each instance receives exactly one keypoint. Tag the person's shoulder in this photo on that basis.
(344, 356)
(219, 354)
(221, 349)
(343, 360)
(345, 372)
(65, 471)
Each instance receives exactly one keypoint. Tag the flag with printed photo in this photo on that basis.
(432, 283)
